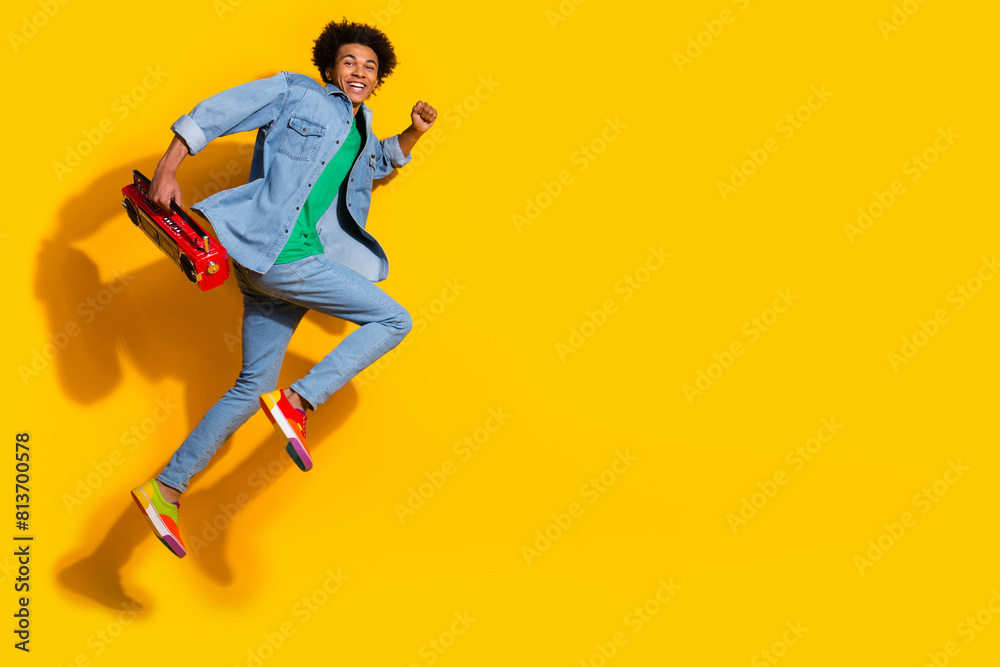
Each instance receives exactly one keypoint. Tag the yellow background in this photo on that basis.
(159, 352)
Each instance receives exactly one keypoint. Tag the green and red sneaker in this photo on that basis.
(290, 423)
(161, 515)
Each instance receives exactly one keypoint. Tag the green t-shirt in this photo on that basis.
(304, 241)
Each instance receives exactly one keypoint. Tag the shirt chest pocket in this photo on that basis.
(302, 137)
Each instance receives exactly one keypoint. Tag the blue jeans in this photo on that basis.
(273, 305)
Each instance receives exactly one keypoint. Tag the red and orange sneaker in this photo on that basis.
(161, 515)
(290, 423)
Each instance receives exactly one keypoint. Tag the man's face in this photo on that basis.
(355, 72)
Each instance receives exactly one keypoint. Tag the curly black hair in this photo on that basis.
(337, 34)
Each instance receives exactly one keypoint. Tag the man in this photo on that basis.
(296, 235)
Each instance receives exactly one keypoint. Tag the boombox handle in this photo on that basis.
(138, 177)
(192, 224)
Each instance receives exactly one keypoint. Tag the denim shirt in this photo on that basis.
(300, 126)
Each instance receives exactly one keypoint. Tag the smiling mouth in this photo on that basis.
(356, 86)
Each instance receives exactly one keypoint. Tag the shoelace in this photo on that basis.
(302, 423)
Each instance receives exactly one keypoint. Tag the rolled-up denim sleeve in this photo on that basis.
(389, 156)
(248, 106)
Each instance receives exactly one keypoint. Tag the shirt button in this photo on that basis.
(286, 231)
(338, 141)
(310, 185)
(323, 162)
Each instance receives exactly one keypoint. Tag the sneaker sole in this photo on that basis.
(159, 528)
(296, 450)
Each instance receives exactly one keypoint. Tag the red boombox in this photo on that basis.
(201, 257)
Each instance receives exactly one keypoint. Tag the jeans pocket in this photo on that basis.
(298, 274)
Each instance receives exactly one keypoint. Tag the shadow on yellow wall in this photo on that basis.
(166, 328)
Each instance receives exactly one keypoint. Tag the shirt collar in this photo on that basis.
(334, 90)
